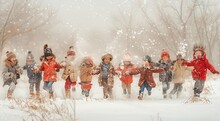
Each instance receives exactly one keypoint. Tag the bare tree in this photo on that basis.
(20, 18)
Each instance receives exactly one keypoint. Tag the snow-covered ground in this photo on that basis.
(153, 108)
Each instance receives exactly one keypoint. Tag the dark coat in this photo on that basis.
(33, 76)
(165, 76)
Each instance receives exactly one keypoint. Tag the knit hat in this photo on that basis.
(30, 56)
(88, 59)
(164, 53)
(179, 56)
(126, 57)
(71, 51)
(107, 56)
(47, 51)
(10, 55)
(147, 58)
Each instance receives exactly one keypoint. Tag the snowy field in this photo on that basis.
(153, 108)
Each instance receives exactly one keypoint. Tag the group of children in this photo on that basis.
(169, 71)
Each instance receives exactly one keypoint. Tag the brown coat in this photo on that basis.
(179, 73)
(86, 72)
(111, 73)
(146, 74)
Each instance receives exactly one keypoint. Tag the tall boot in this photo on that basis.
(140, 97)
(67, 91)
(51, 95)
(9, 94)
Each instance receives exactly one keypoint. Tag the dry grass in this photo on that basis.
(44, 109)
(197, 99)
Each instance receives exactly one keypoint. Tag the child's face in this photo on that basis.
(146, 63)
(179, 61)
(29, 62)
(107, 60)
(49, 57)
(126, 62)
(13, 60)
(198, 54)
(165, 58)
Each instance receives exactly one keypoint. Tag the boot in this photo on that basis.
(140, 97)
(51, 95)
(149, 93)
(32, 94)
(73, 88)
(9, 94)
(124, 91)
(87, 93)
(67, 93)
(38, 95)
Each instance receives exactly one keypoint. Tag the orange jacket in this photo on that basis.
(49, 68)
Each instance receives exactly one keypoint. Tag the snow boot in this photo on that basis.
(140, 97)
(67, 93)
(124, 91)
(9, 94)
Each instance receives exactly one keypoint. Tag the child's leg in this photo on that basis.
(129, 88)
(141, 91)
(31, 88)
(198, 87)
(67, 87)
(179, 90)
(174, 90)
(11, 89)
(149, 88)
(37, 87)
(45, 87)
(105, 88)
(166, 86)
(123, 85)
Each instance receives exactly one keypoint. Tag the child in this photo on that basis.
(11, 72)
(69, 73)
(34, 76)
(178, 76)
(200, 64)
(166, 76)
(49, 67)
(124, 69)
(106, 71)
(86, 69)
(146, 76)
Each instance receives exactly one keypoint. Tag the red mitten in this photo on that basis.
(171, 68)
(215, 72)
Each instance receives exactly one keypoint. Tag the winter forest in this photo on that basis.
(105, 60)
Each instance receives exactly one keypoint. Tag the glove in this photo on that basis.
(171, 68)
(215, 72)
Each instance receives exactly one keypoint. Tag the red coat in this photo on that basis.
(147, 75)
(128, 79)
(49, 68)
(200, 67)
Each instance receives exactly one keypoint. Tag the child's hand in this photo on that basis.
(171, 68)
(215, 72)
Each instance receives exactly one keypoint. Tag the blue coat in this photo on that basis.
(33, 77)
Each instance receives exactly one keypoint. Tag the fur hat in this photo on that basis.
(107, 56)
(147, 58)
(126, 57)
(10, 55)
(71, 51)
(30, 56)
(164, 53)
(47, 51)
